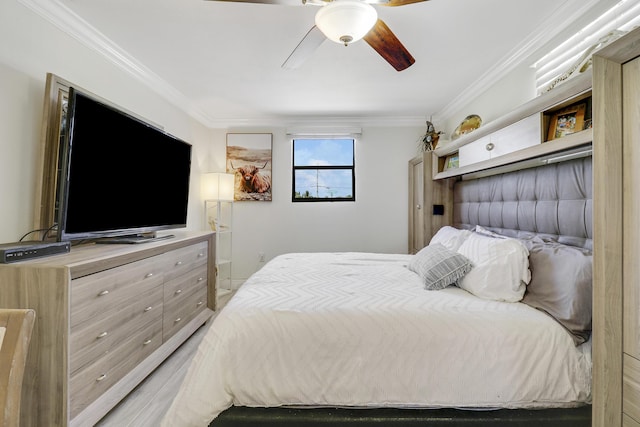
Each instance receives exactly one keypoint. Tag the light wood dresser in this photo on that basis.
(106, 317)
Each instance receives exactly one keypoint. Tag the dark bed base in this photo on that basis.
(255, 417)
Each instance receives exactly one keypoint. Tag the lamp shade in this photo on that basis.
(346, 21)
(217, 186)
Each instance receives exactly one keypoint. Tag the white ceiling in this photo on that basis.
(225, 58)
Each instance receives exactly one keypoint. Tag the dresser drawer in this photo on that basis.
(96, 293)
(474, 152)
(180, 261)
(96, 337)
(631, 387)
(181, 311)
(175, 289)
(523, 134)
(92, 381)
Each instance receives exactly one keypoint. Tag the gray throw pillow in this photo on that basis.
(561, 285)
(439, 267)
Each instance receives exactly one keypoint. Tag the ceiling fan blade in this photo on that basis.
(281, 2)
(400, 2)
(382, 39)
(305, 48)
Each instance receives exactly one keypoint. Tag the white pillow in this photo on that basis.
(500, 268)
(450, 237)
(486, 232)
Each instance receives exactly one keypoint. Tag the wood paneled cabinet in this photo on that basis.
(522, 134)
(616, 273)
(631, 242)
(106, 317)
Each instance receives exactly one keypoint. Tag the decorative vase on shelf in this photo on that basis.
(469, 124)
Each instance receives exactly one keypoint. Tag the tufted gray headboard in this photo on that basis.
(552, 201)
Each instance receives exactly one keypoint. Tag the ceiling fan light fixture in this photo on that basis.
(346, 21)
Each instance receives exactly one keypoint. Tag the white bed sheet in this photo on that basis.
(355, 329)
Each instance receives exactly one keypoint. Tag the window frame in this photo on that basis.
(351, 167)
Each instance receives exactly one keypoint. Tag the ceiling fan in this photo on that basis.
(345, 22)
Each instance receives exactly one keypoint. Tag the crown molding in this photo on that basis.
(520, 54)
(315, 121)
(70, 23)
(73, 25)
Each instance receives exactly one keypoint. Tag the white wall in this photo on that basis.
(30, 48)
(375, 222)
(517, 88)
(20, 115)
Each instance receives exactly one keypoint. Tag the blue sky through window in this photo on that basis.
(323, 152)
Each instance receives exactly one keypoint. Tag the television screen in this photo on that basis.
(120, 176)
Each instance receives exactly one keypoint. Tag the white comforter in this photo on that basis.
(354, 329)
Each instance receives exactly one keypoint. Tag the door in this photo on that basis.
(416, 204)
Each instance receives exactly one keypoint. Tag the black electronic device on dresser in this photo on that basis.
(21, 251)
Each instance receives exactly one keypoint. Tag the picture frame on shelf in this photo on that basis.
(452, 161)
(567, 121)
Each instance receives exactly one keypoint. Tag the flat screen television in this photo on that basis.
(119, 175)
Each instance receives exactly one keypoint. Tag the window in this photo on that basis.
(323, 170)
(551, 69)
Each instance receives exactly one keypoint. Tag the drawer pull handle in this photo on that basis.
(490, 146)
(199, 303)
(103, 293)
(148, 309)
(102, 335)
(101, 377)
(200, 279)
(146, 276)
(147, 342)
(178, 263)
(179, 291)
(177, 320)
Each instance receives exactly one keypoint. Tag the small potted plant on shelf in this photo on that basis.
(429, 141)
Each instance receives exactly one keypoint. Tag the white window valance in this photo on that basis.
(324, 132)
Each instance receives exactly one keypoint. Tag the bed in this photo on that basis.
(380, 339)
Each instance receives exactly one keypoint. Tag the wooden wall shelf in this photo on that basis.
(535, 152)
(566, 94)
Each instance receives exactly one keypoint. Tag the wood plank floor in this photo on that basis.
(146, 404)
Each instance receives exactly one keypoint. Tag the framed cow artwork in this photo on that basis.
(249, 159)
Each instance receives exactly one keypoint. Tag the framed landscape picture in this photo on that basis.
(249, 159)
(452, 162)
